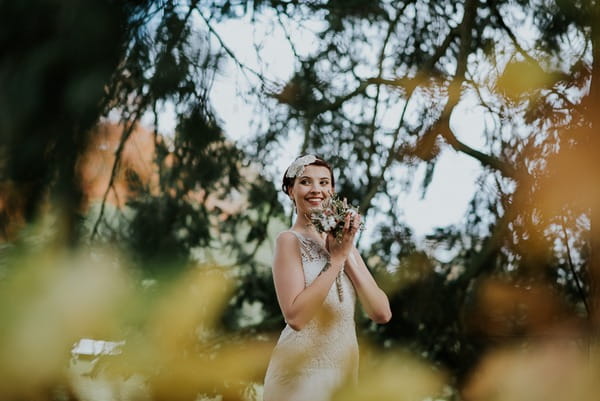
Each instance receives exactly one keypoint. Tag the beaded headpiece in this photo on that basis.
(297, 167)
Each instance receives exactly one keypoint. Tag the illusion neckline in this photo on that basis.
(309, 238)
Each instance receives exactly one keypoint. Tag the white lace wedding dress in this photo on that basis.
(310, 364)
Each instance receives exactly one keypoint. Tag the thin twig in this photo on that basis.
(127, 130)
(364, 206)
(572, 268)
(231, 54)
(390, 31)
(509, 32)
(287, 35)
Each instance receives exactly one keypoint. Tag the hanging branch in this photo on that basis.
(378, 181)
(572, 268)
(287, 35)
(510, 33)
(443, 124)
(129, 126)
(231, 54)
(127, 130)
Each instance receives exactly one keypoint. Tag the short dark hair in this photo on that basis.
(288, 182)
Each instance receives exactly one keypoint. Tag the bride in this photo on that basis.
(317, 279)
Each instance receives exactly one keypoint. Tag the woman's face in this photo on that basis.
(311, 188)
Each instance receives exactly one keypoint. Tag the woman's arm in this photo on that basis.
(372, 298)
(299, 304)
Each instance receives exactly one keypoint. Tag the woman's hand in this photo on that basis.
(340, 249)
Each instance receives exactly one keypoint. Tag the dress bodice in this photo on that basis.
(324, 353)
(314, 257)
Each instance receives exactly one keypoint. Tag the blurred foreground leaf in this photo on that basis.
(174, 347)
(394, 376)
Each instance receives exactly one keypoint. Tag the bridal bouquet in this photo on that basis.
(330, 217)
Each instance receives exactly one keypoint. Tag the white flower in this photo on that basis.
(329, 223)
(297, 167)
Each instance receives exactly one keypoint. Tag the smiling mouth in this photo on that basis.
(316, 201)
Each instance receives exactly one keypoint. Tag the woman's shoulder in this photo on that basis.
(288, 242)
(287, 236)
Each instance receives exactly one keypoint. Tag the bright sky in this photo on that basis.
(454, 180)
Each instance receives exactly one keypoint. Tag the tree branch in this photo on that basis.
(231, 54)
(374, 187)
(287, 34)
(442, 49)
(127, 130)
(484, 258)
(386, 40)
(409, 84)
(509, 32)
(486, 160)
(454, 94)
(572, 267)
(338, 102)
(465, 43)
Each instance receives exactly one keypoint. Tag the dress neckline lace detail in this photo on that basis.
(311, 249)
(309, 238)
